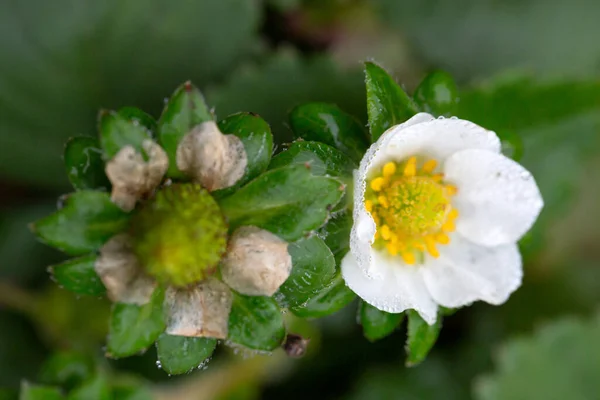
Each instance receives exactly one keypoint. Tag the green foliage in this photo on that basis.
(377, 324)
(255, 134)
(79, 276)
(73, 60)
(134, 328)
(186, 109)
(117, 132)
(421, 337)
(327, 123)
(96, 388)
(437, 94)
(559, 361)
(255, 322)
(179, 354)
(327, 301)
(289, 201)
(84, 164)
(86, 221)
(35, 392)
(313, 268)
(136, 115)
(321, 158)
(387, 103)
(66, 369)
(336, 234)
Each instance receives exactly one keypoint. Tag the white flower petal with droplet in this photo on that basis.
(466, 272)
(392, 286)
(498, 200)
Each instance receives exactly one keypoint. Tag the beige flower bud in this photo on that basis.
(256, 263)
(214, 160)
(199, 311)
(121, 274)
(132, 177)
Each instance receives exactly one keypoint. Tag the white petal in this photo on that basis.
(497, 200)
(392, 287)
(466, 272)
(433, 138)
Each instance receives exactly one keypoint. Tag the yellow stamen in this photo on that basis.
(429, 166)
(408, 257)
(448, 226)
(389, 169)
(431, 249)
(453, 214)
(369, 205)
(386, 234)
(442, 238)
(411, 167)
(451, 190)
(437, 177)
(383, 201)
(377, 184)
(392, 249)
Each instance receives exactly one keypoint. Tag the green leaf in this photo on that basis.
(132, 392)
(437, 94)
(96, 388)
(86, 221)
(180, 354)
(136, 115)
(134, 328)
(289, 201)
(9, 394)
(387, 103)
(36, 392)
(327, 123)
(117, 132)
(66, 369)
(256, 322)
(118, 61)
(420, 337)
(331, 299)
(184, 111)
(255, 134)
(336, 234)
(79, 276)
(281, 81)
(84, 163)
(313, 268)
(377, 324)
(559, 361)
(321, 158)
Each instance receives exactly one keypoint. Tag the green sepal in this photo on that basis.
(96, 388)
(133, 328)
(335, 296)
(66, 369)
(336, 234)
(437, 94)
(186, 109)
(313, 268)
(387, 103)
(255, 134)
(180, 354)
(420, 337)
(117, 131)
(84, 164)
(322, 159)
(377, 324)
(86, 221)
(135, 114)
(38, 392)
(79, 276)
(256, 322)
(327, 123)
(289, 202)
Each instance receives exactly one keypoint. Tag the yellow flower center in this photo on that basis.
(410, 204)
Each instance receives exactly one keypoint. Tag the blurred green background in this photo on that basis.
(529, 69)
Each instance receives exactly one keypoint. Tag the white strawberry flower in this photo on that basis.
(438, 211)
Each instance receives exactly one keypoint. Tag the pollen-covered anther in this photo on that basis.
(132, 177)
(256, 263)
(201, 310)
(411, 208)
(121, 274)
(214, 160)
